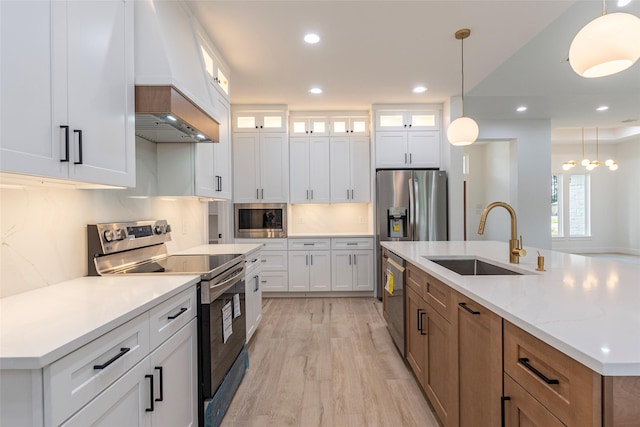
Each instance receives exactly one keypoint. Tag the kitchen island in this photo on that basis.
(580, 309)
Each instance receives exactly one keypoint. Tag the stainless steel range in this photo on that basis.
(139, 248)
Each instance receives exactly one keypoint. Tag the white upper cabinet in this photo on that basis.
(259, 121)
(260, 167)
(67, 105)
(308, 126)
(407, 120)
(309, 169)
(355, 126)
(407, 139)
(350, 172)
(405, 150)
(222, 153)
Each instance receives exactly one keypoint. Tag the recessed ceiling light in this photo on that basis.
(315, 90)
(312, 38)
(419, 89)
(521, 109)
(602, 108)
(623, 3)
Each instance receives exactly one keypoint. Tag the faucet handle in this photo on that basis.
(520, 251)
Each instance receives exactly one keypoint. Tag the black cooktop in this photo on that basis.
(207, 266)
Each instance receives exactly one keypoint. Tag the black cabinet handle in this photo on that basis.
(161, 398)
(79, 132)
(502, 411)
(420, 312)
(150, 409)
(175, 316)
(525, 361)
(123, 351)
(66, 143)
(464, 305)
(257, 283)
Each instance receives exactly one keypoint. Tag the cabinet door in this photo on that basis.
(391, 151)
(246, 167)
(360, 172)
(362, 270)
(422, 120)
(318, 166)
(319, 270)
(299, 271)
(222, 153)
(175, 369)
(391, 120)
(416, 316)
(424, 149)
(341, 270)
(252, 305)
(479, 370)
(100, 91)
(272, 121)
(206, 182)
(299, 169)
(340, 171)
(30, 139)
(124, 403)
(438, 365)
(522, 410)
(273, 168)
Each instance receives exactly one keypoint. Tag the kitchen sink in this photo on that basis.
(472, 267)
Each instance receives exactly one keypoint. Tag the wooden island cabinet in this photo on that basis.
(478, 369)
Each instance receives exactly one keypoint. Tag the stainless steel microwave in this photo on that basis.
(260, 220)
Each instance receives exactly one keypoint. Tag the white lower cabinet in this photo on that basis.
(352, 264)
(309, 271)
(273, 272)
(253, 292)
(141, 373)
(352, 270)
(159, 391)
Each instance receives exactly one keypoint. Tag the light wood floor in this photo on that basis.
(326, 362)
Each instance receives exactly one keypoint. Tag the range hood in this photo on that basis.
(164, 114)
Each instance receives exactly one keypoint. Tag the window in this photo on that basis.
(570, 213)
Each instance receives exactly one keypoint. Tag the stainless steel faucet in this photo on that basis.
(516, 249)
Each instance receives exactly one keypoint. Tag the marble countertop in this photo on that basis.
(586, 307)
(40, 326)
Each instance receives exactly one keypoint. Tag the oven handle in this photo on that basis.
(236, 275)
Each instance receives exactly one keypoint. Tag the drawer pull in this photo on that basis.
(464, 305)
(175, 316)
(150, 409)
(123, 351)
(308, 244)
(161, 398)
(352, 243)
(503, 417)
(421, 321)
(264, 260)
(524, 361)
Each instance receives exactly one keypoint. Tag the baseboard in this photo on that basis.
(347, 294)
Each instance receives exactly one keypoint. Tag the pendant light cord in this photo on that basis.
(597, 156)
(582, 143)
(604, 8)
(462, 78)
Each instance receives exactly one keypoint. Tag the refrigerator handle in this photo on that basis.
(411, 209)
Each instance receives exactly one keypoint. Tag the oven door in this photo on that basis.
(260, 220)
(222, 328)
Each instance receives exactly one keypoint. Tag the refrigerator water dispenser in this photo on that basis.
(397, 222)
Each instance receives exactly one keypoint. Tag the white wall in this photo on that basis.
(615, 198)
(43, 229)
(531, 184)
(491, 178)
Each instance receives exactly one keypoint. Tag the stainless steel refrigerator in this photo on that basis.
(410, 205)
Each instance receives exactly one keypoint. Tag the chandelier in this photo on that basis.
(588, 164)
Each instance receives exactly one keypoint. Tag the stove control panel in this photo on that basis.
(109, 238)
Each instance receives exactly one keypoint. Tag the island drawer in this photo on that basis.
(416, 279)
(309, 244)
(74, 380)
(570, 390)
(438, 295)
(352, 243)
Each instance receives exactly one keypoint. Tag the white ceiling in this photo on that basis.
(377, 51)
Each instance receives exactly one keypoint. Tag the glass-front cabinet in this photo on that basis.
(407, 120)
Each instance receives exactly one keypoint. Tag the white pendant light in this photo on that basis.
(607, 45)
(463, 130)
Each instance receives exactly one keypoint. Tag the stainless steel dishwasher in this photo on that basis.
(395, 300)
